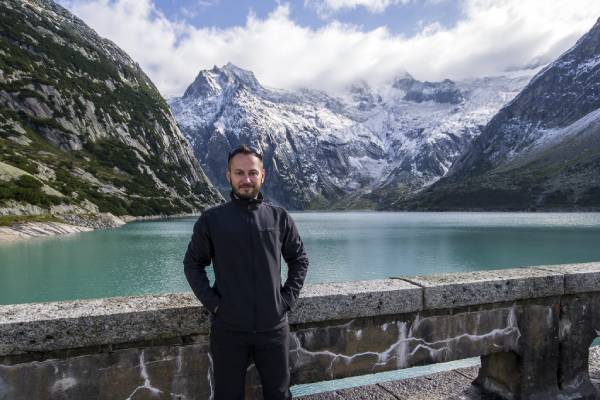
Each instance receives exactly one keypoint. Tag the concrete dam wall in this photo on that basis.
(532, 328)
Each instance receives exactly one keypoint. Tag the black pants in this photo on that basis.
(231, 352)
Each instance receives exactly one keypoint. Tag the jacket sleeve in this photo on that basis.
(296, 259)
(197, 257)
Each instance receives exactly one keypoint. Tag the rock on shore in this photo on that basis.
(36, 229)
(71, 224)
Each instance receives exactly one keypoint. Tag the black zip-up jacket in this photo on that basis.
(245, 239)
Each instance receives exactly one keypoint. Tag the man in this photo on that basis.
(245, 239)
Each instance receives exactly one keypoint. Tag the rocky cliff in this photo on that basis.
(82, 128)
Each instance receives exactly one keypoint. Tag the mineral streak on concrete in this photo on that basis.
(339, 350)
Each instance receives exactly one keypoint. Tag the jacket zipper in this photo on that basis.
(253, 266)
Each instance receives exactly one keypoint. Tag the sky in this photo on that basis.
(330, 44)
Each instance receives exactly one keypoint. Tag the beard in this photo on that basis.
(246, 191)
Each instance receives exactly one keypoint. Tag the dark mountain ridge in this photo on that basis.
(541, 151)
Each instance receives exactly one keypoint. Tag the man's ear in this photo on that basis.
(228, 175)
(264, 175)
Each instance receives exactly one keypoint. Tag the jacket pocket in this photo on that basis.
(282, 303)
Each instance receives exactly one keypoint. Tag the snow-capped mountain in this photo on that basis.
(360, 148)
(540, 151)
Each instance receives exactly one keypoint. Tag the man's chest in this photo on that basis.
(246, 225)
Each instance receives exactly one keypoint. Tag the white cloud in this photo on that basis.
(327, 7)
(492, 36)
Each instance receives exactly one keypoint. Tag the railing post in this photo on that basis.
(531, 372)
(578, 318)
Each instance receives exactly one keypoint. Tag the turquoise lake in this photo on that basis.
(146, 257)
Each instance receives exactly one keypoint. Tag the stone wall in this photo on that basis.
(532, 328)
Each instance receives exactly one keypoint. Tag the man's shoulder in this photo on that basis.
(216, 209)
(280, 213)
(276, 208)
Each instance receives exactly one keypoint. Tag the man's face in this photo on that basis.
(245, 175)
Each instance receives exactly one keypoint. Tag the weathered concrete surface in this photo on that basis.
(371, 392)
(484, 287)
(579, 278)
(594, 362)
(71, 324)
(44, 327)
(331, 301)
(579, 326)
(363, 346)
(594, 367)
(162, 372)
(530, 372)
(444, 385)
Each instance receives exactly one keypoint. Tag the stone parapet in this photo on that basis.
(485, 287)
(335, 301)
(45, 327)
(579, 278)
(525, 323)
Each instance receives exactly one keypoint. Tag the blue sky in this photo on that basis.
(402, 18)
(330, 44)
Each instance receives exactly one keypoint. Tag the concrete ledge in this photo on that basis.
(38, 327)
(579, 278)
(484, 287)
(332, 301)
(70, 324)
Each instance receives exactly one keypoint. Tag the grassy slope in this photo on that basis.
(36, 60)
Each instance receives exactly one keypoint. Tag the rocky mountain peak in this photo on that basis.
(215, 81)
(240, 75)
(404, 83)
(325, 150)
(401, 79)
(363, 96)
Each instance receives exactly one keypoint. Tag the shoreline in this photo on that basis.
(30, 230)
(74, 224)
(77, 223)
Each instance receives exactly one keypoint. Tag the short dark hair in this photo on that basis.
(243, 149)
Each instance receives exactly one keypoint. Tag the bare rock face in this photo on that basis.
(361, 148)
(74, 106)
(37, 229)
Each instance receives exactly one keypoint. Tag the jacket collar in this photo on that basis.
(247, 203)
